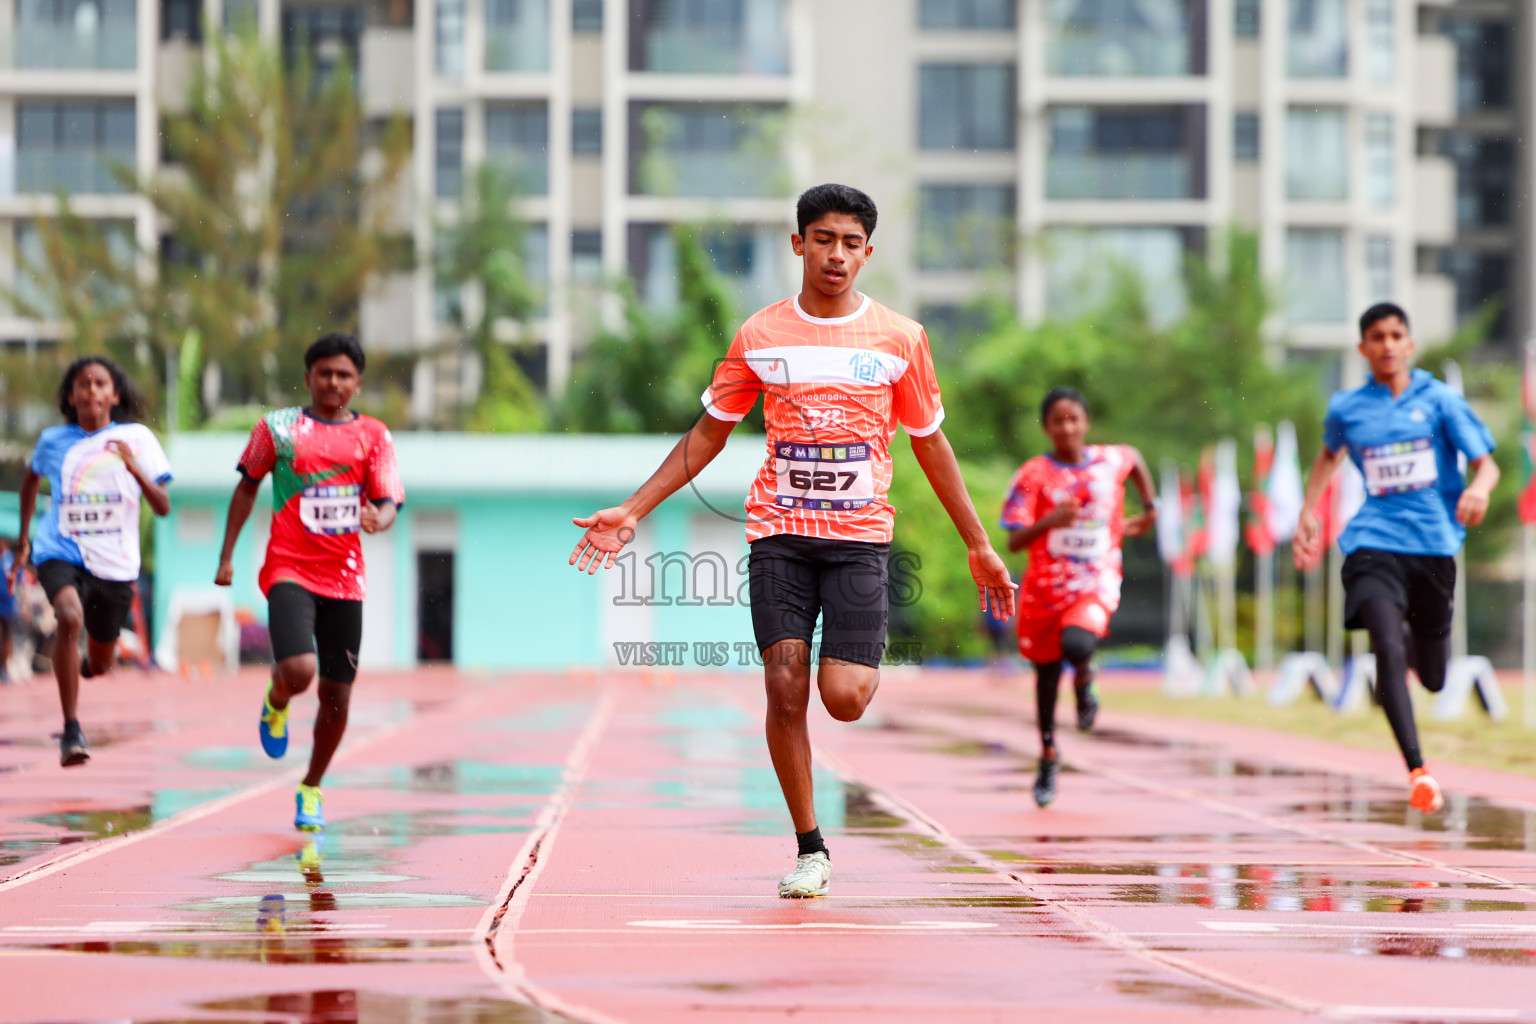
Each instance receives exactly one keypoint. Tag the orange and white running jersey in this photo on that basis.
(836, 388)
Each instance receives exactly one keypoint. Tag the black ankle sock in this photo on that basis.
(86, 672)
(71, 723)
(811, 842)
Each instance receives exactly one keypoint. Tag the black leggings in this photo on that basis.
(1397, 649)
(1077, 646)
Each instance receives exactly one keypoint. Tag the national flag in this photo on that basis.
(1224, 505)
(1527, 505)
(1260, 540)
(1285, 490)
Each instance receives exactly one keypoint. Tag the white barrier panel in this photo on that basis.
(1226, 673)
(1301, 670)
(1359, 683)
(1464, 676)
(1182, 676)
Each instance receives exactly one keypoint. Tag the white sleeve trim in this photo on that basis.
(715, 411)
(925, 431)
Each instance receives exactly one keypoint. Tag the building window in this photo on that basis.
(1378, 268)
(1084, 267)
(720, 37)
(1484, 68)
(966, 13)
(1126, 153)
(706, 150)
(32, 259)
(1128, 38)
(586, 257)
(240, 16)
(1317, 276)
(1247, 15)
(327, 37)
(1480, 278)
(750, 259)
(586, 15)
(181, 19)
(1318, 39)
(517, 35)
(74, 146)
(587, 131)
(1485, 179)
(449, 159)
(448, 48)
(517, 144)
(1245, 137)
(965, 227)
(1381, 41)
(1380, 161)
(1316, 154)
(966, 106)
(76, 34)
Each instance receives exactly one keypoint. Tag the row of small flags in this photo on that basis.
(1203, 517)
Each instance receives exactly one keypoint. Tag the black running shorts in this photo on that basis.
(302, 622)
(106, 602)
(793, 579)
(1423, 587)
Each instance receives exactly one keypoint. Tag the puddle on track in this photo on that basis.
(349, 1006)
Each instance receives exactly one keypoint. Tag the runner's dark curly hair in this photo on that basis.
(1062, 395)
(130, 404)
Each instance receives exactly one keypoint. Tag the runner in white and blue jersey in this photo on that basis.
(97, 465)
(1404, 430)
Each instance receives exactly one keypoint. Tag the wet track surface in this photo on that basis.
(560, 848)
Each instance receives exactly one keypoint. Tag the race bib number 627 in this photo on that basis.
(833, 478)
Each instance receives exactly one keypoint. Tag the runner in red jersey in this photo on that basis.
(1068, 510)
(333, 478)
(838, 371)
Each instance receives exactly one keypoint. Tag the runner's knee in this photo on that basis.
(296, 673)
(1078, 645)
(70, 615)
(787, 681)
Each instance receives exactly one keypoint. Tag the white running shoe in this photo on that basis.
(812, 873)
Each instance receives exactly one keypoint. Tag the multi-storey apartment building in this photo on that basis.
(1015, 146)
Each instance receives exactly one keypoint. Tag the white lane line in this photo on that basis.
(1102, 930)
(1307, 928)
(497, 930)
(730, 925)
(1456, 1013)
(90, 851)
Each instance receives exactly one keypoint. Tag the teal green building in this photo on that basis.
(476, 570)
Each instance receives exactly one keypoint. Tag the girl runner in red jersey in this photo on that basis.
(1068, 509)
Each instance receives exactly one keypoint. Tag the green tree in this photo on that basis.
(648, 377)
(278, 210)
(485, 251)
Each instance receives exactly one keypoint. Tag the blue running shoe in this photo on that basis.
(309, 812)
(274, 727)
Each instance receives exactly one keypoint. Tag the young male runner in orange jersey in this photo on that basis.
(839, 371)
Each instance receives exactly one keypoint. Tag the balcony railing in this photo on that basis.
(707, 51)
(71, 171)
(110, 46)
(1141, 55)
(1129, 176)
(517, 49)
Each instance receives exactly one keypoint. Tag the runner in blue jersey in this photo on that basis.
(97, 464)
(1404, 430)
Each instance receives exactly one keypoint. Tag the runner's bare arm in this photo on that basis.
(24, 531)
(1146, 490)
(1021, 537)
(378, 516)
(994, 586)
(154, 493)
(1473, 504)
(240, 505)
(609, 529)
(1306, 545)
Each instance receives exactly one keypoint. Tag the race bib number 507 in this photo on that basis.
(331, 510)
(81, 515)
(833, 478)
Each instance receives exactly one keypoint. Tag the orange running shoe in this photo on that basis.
(1424, 792)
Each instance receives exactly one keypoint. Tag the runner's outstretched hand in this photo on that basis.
(993, 584)
(22, 553)
(607, 532)
(1471, 507)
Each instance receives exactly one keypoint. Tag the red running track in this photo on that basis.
(606, 849)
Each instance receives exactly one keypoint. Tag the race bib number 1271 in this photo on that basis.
(331, 510)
